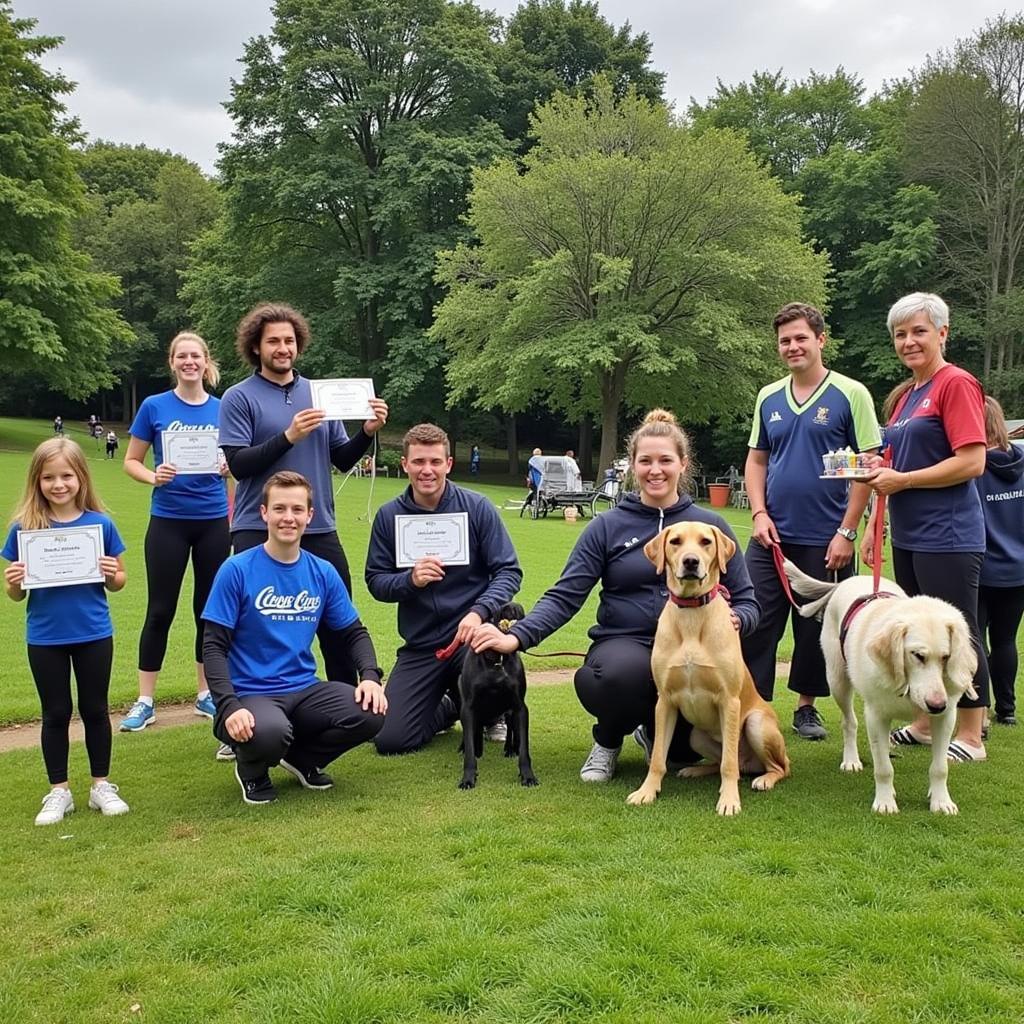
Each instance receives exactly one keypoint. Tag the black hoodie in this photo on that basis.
(1002, 498)
(610, 550)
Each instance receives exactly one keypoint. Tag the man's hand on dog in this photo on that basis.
(488, 637)
(369, 696)
(427, 571)
(763, 530)
(467, 627)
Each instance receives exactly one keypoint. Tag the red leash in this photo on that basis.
(778, 559)
(878, 528)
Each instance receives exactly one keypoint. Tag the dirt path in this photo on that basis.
(171, 716)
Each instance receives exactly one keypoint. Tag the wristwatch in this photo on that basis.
(849, 534)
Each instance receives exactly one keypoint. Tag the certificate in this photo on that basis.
(61, 557)
(347, 399)
(191, 451)
(444, 536)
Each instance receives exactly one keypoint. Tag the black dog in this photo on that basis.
(493, 685)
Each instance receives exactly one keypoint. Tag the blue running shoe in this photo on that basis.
(138, 717)
(205, 706)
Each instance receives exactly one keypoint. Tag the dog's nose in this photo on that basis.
(691, 563)
(935, 707)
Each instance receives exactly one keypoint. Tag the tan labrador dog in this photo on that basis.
(699, 672)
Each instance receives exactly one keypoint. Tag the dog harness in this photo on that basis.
(699, 602)
(851, 613)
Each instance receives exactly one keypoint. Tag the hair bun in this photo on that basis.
(661, 416)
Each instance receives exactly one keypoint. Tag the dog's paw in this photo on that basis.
(763, 783)
(467, 784)
(852, 766)
(885, 805)
(529, 780)
(728, 807)
(942, 804)
(642, 796)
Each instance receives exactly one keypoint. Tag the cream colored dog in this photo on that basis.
(903, 655)
(699, 672)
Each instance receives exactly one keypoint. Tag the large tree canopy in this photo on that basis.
(630, 262)
(55, 318)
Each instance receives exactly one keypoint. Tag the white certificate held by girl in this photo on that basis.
(62, 557)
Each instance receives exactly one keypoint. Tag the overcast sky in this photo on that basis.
(156, 72)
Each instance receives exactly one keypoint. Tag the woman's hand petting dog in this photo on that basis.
(489, 638)
(467, 627)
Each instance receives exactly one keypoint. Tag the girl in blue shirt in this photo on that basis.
(68, 626)
(189, 519)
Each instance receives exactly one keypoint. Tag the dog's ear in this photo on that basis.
(725, 546)
(887, 646)
(654, 549)
(963, 659)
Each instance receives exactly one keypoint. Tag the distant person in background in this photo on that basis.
(1001, 590)
(188, 519)
(58, 426)
(111, 444)
(474, 461)
(534, 476)
(575, 476)
(93, 421)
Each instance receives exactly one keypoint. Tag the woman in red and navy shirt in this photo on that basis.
(935, 428)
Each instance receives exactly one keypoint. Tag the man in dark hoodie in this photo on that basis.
(438, 603)
(1001, 589)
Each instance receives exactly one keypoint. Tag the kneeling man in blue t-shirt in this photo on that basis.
(261, 617)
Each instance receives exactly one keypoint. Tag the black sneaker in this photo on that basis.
(257, 791)
(1006, 719)
(310, 778)
(808, 724)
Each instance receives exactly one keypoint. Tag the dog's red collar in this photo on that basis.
(851, 613)
(699, 602)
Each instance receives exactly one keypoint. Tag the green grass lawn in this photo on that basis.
(398, 898)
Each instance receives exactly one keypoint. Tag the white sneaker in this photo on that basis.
(103, 797)
(498, 732)
(225, 752)
(600, 764)
(56, 804)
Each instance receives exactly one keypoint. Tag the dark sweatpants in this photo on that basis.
(414, 690)
(616, 686)
(952, 576)
(338, 663)
(760, 648)
(1000, 610)
(308, 728)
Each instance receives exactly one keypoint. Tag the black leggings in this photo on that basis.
(51, 670)
(999, 613)
(952, 576)
(169, 542)
(338, 663)
(616, 686)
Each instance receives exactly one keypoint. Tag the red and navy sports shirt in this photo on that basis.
(928, 425)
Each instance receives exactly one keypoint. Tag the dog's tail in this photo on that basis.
(807, 586)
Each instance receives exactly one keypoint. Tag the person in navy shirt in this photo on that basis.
(615, 683)
(188, 519)
(798, 419)
(935, 430)
(267, 425)
(437, 603)
(68, 627)
(263, 612)
(1001, 589)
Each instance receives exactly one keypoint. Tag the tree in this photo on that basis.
(145, 209)
(55, 318)
(552, 46)
(965, 137)
(632, 263)
(357, 123)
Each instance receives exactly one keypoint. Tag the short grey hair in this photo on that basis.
(918, 302)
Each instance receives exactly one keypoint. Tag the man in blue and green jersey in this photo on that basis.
(798, 419)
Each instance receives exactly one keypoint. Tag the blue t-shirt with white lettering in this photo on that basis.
(255, 410)
(192, 496)
(69, 615)
(274, 609)
(838, 415)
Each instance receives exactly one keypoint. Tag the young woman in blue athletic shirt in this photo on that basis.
(615, 683)
(68, 627)
(189, 519)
